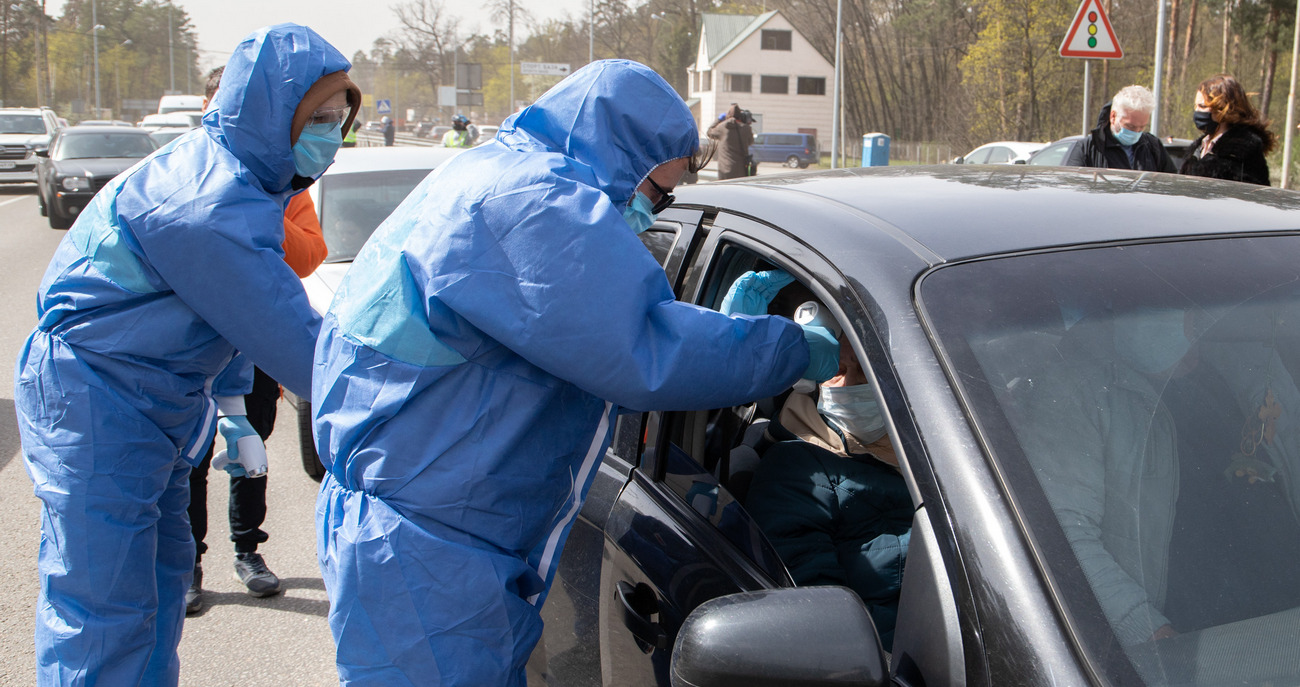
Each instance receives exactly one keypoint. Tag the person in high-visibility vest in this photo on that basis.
(350, 140)
(458, 137)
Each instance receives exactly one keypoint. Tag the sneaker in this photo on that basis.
(194, 595)
(252, 571)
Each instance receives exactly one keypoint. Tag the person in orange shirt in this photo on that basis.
(304, 251)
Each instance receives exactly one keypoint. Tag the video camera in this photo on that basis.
(746, 117)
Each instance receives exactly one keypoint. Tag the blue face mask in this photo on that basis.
(315, 149)
(1151, 339)
(637, 214)
(853, 410)
(1126, 137)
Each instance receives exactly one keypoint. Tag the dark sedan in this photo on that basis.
(1090, 380)
(80, 161)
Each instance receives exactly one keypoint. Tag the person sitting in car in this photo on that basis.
(829, 495)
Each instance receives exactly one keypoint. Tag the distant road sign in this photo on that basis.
(544, 68)
(1090, 35)
(384, 106)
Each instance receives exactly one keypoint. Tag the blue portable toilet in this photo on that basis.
(875, 150)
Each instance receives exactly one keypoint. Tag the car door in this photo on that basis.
(569, 650)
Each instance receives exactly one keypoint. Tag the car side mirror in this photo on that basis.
(41, 152)
(789, 637)
(958, 160)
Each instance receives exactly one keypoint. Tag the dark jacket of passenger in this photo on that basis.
(1100, 148)
(1238, 155)
(733, 137)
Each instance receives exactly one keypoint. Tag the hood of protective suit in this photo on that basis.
(617, 117)
(265, 79)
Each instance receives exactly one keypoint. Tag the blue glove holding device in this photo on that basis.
(752, 292)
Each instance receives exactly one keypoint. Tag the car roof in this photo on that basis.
(373, 159)
(83, 129)
(951, 212)
(1018, 146)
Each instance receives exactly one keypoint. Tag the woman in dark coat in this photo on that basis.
(1235, 136)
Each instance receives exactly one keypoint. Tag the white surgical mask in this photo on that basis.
(853, 410)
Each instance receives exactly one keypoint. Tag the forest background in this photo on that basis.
(953, 72)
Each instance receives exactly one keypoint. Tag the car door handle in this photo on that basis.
(639, 603)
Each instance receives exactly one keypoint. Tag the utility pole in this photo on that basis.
(1159, 68)
(171, 54)
(591, 35)
(512, 56)
(1290, 102)
(835, 99)
(94, 37)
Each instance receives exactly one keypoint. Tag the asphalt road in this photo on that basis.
(237, 640)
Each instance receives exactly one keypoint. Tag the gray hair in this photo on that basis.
(1133, 99)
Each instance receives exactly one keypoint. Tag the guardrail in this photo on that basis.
(370, 139)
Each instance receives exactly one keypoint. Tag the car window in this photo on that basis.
(85, 146)
(978, 156)
(353, 205)
(744, 469)
(1052, 155)
(999, 154)
(760, 139)
(21, 124)
(1141, 404)
(659, 239)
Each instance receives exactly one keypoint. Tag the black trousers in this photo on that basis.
(247, 496)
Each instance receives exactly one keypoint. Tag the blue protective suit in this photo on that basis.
(174, 266)
(471, 366)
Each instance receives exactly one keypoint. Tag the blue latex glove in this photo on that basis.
(753, 291)
(245, 454)
(823, 353)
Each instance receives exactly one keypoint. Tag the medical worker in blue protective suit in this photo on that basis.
(472, 363)
(172, 268)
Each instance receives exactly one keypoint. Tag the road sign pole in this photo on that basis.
(1087, 88)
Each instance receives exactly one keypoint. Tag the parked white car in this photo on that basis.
(354, 196)
(1001, 153)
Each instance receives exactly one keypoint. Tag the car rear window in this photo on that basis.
(353, 205)
(1142, 404)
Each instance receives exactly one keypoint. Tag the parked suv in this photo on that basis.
(792, 150)
(23, 131)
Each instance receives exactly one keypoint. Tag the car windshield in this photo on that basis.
(1052, 155)
(1141, 404)
(81, 146)
(22, 124)
(354, 205)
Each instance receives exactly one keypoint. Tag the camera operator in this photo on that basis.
(733, 134)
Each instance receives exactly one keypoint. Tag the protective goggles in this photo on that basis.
(334, 115)
(665, 198)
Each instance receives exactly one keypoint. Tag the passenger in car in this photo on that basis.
(829, 495)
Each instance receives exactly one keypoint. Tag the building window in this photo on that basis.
(776, 40)
(740, 83)
(811, 85)
(774, 84)
(706, 80)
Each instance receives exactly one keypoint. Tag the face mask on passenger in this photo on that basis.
(316, 147)
(853, 410)
(637, 214)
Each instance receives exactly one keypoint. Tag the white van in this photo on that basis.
(178, 103)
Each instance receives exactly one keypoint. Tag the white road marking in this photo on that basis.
(13, 200)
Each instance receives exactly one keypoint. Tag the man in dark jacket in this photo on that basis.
(733, 134)
(1119, 141)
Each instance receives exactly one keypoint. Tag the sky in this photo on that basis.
(350, 25)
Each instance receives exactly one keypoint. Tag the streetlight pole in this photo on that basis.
(94, 36)
(1158, 85)
(1290, 102)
